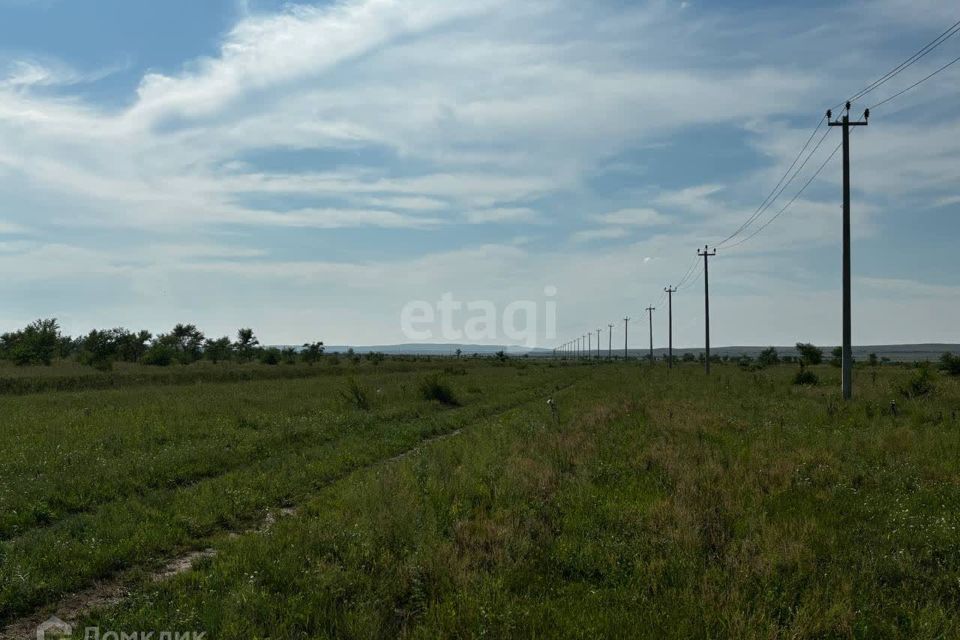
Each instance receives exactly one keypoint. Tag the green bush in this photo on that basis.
(920, 384)
(950, 364)
(806, 377)
(159, 355)
(809, 354)
(436, 388)
(270, 356)
(768, 357)
(355, 395)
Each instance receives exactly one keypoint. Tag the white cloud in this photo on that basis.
(426, 114)
(515, 214)
(641, 217)
(591, 235)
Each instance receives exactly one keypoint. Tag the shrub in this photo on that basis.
(435, 388)
(809, 354)
(950, 364)
(159, 355)
(270, 356)
(768, 357)
(806, 377)
(355, 395)
(920, 383)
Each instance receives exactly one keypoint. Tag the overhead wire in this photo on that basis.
(792, 200)
(889, 75)
(768, 201)
(915, 84)
(695, 270)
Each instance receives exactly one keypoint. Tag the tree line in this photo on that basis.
(41, 343)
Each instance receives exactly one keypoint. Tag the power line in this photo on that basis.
(792, 200)
(694, 280)
(693, 265)
(926, 49)
(918, 82)
(768, 202)
(788, 183)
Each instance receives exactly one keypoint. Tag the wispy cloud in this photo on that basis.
(642, 217)
(516, 214)
(592, 235)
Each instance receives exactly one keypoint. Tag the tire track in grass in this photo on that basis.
(112, 590)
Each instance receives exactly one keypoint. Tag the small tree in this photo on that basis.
(950, 364)
(873, 359)
(768, 357)
(159, 354)
(219, 349)
(186, 342)
(809, 354)
(246, 345)
(312, 352)
(99, 349)
(38, 343)
(131, 346)
(270, 356)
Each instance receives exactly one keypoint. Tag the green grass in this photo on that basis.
(661, 504)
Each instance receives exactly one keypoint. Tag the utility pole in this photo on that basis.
(598, 344)
(650, 311)
(626, 321)
(610, 343)
(706, 296)
(670, 291)
(589, 344)
(847, 313)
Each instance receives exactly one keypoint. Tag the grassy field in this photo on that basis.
(654, 503)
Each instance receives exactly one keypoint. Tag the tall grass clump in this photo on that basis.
(920, 384)
(805, 377)
(355, 395)
(436, 388)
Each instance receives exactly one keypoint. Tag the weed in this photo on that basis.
(355, 395)
(920, 384)
(436, 388)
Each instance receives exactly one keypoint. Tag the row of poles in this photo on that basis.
(582, 346)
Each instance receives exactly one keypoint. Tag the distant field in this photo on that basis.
(655, 503)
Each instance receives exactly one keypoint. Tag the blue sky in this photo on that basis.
(308, 169)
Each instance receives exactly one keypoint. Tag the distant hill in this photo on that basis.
(896, 352)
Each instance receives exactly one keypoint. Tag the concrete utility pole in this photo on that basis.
(847, 321)
(650, 311)
(706, 296)
(626, 321)
(610, 343)
(670, 291)
(589, 344)
(598, 344)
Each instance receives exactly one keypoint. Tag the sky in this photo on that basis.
(311, 170)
